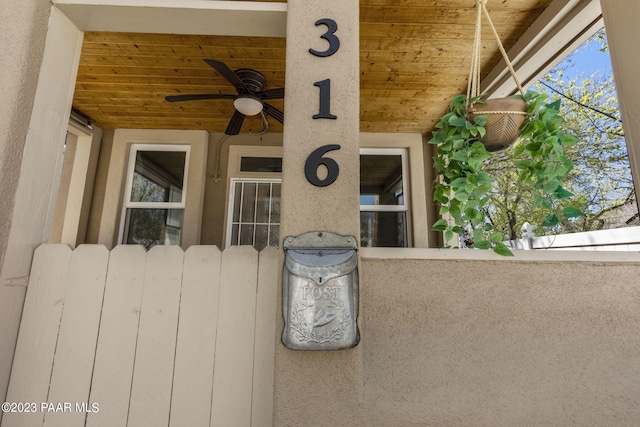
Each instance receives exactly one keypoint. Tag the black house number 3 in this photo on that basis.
(316, 158)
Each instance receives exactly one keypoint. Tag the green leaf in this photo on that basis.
(460, 156)
(457, 121)
(537, 202)
(496, 238)
(550, 187)
(461, 196)
(572, 212)
(448, 235)
(550, 220)
(440, 225)
(502, 249)
(482, 244)
(561, 193)
(481, 120)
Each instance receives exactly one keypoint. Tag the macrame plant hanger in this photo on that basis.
(506, 115)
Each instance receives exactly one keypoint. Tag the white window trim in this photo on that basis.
(128, 204)
(406, 192)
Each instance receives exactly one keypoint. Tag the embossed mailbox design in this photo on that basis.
(320, 292)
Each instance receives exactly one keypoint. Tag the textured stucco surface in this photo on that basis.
(20, 58)
(22, 47)
(497, 343)
(478, 342)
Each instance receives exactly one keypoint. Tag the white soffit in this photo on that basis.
(203, 17)
(559, 30)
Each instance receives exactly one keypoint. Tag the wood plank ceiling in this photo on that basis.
(414, 55)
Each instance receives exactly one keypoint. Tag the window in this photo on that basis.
(255, 213)
(384, 219)
(154, 201)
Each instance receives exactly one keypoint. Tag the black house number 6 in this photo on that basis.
(316, 158)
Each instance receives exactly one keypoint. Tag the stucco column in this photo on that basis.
(40, 129)
(623, 32)
(20, 57)
(320, 387)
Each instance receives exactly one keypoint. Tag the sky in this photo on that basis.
(586, 60)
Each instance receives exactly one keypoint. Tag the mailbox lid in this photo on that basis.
(321, 265)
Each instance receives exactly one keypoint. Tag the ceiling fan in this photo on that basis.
(250, 98)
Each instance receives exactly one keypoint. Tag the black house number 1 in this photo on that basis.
(316, 158)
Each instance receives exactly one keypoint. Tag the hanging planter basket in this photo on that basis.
(506, 116)
(505, 119)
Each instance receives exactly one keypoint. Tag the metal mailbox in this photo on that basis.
(320, 292)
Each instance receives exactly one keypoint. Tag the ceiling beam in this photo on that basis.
(203, 17)
(559, 30)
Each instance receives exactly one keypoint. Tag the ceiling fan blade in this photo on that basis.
(273, 112)
(228, 74)
(233, 128)
(272, 93)
(198, 96)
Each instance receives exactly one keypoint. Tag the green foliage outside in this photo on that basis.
(538, 163)
(600, 177)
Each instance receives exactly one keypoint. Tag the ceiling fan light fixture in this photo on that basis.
(248, 105)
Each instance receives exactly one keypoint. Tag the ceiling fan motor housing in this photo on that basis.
(252, 79)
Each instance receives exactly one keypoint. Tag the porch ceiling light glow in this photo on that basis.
(248, 105)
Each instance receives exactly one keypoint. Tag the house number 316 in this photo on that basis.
(316, 158)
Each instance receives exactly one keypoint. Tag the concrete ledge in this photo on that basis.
(520, 255)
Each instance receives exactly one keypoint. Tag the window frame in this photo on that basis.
(406, 193)
(128, 204)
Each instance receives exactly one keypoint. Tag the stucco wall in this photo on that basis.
(20, 58)
(501, 343)
(449, 340)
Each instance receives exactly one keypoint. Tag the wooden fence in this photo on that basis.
(136, 338)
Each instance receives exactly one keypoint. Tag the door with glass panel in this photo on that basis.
(254, 213)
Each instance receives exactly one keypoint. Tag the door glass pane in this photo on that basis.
(158, 176)
(262, 237)
(383, 229)
(150, 227)
(381, 179)
(274, 236)
(248, 208)
(246, 234)
(263, 203)
(275, 203)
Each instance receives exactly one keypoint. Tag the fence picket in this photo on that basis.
(33, 360)
(155, 351)
(195, 349)
(232, 377)
(75, 352)
(265, 339)
(115, 352)
(157, 338)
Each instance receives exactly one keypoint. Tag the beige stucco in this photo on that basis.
(501, 343)
(466, 338)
